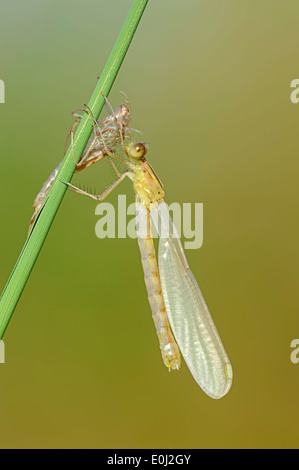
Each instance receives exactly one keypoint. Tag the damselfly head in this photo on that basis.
(136, 151)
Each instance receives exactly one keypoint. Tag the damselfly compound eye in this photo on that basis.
(137, 150)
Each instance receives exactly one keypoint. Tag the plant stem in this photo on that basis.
(34, 242)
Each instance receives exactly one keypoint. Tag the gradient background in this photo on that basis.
(209, 83)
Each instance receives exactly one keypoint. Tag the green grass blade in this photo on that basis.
(34, 242)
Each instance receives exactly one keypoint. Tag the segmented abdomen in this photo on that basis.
(168, 346)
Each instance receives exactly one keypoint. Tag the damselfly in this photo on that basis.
(113, 131)
(175, 298)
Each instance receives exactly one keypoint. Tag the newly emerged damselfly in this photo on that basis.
(181, 316)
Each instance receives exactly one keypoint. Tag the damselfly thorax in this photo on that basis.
(146, 183)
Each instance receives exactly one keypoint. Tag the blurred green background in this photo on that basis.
(209, 83)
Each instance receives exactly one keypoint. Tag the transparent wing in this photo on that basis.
(188, 314)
